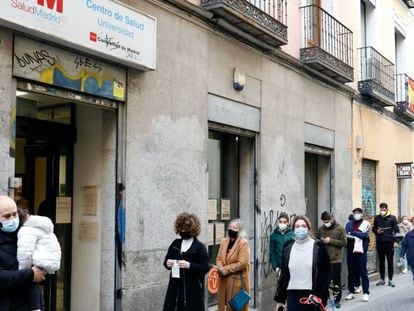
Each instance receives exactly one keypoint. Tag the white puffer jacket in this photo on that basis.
(37, 245)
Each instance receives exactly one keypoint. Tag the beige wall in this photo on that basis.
(386, 142)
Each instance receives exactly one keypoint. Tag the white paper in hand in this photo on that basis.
(175, 271)
(364, 226)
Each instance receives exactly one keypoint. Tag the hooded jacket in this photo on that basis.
(337, 236)
(37, 245)
(277, 241)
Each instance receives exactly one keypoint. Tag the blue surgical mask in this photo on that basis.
(301, 233)
(10, 225)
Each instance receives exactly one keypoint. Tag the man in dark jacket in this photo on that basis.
(278, 238)
(14, 283)
(407, 248)
(357, 233)
(334, 237)
(385, 227)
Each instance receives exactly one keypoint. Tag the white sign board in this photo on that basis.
(100, 27)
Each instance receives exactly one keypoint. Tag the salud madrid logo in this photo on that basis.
(49, 10)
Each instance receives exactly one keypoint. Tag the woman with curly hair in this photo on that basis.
(187, 258)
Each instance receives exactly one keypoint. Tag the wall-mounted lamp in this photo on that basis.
(239, 79)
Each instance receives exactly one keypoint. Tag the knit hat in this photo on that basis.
(326, 216)
(357, 209)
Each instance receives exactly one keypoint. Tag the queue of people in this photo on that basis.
(308, 266)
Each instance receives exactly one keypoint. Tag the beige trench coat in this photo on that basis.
(238, 259)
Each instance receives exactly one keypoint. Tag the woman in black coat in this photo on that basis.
(305, 271)
(188, 259)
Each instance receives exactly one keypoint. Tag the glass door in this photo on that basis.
(48, 178)
(45, 135)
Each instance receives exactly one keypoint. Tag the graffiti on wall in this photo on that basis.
(368, 200)
(50, 65)
(268, 225)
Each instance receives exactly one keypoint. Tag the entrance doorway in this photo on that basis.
(45, 135)
(317, 184)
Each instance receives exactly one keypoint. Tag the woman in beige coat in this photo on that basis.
(232, 258)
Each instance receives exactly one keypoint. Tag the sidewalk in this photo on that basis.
(376, 292)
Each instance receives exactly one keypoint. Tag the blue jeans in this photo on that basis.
(357, 268)
(412, 271)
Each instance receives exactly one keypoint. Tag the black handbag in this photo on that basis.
(241, 298)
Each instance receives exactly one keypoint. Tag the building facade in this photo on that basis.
(226, 109)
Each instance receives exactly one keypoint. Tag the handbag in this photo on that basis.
(241, 298)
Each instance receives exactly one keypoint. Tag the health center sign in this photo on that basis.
(105, 28)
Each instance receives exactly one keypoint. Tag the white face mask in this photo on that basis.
(282, 227)
(383, 213)
(405, 221)
(357, 216)
(327, 224)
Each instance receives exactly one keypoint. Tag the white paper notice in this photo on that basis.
(225, 209)
(219, 232)
(63, 210)
(212, 209)
(88, 231)
(90, 200)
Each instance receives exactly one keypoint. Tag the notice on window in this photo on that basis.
(88, 231)
(219, 232)
(212, 209)
(90, 195)
(63, 210)
(225, 209)
(210, 234)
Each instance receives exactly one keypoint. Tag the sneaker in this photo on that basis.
(350, 296)
(404, 271)
(338, 305)
(365, 297)
(390, 283)
(358, 290)
(380, 282)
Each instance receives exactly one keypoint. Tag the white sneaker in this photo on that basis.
(358, 290)
(404, 271)
(350, 296)
(365, 297)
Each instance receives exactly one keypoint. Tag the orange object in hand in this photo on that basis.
(212, 281)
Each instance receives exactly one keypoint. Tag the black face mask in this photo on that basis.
(232, 234)
(185, 235)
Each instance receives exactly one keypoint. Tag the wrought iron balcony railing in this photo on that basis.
(404, 95)
(409, 3)
(328, 43)
(263, 19)
(377, 76)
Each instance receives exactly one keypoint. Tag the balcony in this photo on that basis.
(409, 3)
(327, 44)
(263, 19)
(377, 77)
(404, 97)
